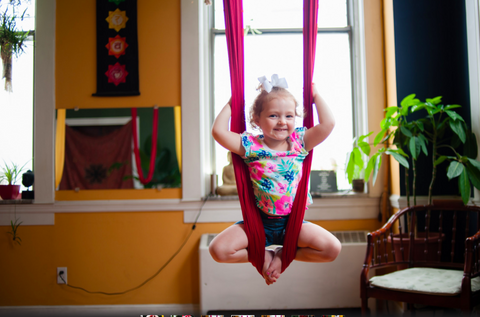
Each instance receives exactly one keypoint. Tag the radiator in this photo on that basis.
(303, 285)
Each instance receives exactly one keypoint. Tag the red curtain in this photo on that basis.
(253, 224)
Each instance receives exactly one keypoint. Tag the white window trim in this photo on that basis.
(44, 103)
(196, 137)
(473, 45)
(360, 72)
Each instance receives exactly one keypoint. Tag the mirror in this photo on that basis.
(99, 151)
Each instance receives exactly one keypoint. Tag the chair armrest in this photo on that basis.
(472, 248)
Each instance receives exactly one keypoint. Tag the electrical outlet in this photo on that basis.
(64, 275)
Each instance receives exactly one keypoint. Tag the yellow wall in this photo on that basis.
(110, 252)
(115, 251)
(158, 54)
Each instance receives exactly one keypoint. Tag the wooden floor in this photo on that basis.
(137, 311)
(347, 312)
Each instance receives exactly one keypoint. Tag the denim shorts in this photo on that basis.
(274, 228)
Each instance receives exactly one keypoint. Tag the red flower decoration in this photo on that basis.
(116, 74)
(116, 46)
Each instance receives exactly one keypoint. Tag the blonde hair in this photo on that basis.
(264, 97)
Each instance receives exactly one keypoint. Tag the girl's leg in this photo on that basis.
(315, 244)
(230, 246)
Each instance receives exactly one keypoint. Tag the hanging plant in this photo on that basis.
(11, 39)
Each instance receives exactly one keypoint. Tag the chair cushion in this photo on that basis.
(425, 280)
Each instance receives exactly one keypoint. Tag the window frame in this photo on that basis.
(354, 29)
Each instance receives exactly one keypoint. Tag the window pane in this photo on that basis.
(282, 14)
(282, 54)
(333, 78)
(16, 108)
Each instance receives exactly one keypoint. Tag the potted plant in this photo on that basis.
(439, 133)
(11, 39)
(437, 127)
(356, 165)
(9, 175)
(359, 171)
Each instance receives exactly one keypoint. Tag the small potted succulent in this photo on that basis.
(8, 180)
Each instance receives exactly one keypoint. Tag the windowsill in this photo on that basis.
(326, 207)
(215, 210)
(16, 201)
(400, 202)
(340, 194)
(118, 194)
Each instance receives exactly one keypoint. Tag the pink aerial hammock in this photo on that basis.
(253, 224)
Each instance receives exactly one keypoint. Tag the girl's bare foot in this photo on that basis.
(275, 268)
(269, 256)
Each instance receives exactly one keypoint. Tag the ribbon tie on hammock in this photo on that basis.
(251, 215)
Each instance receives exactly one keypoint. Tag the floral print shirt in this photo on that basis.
(275, 175)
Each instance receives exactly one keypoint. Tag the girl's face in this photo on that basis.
(277, 119)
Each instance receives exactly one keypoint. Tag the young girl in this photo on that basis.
(275, 163)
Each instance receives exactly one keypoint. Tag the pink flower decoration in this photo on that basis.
(284, 205)
(282, 188)
(281, 154)
(256, 146)
(266, 205)
(271, 168)
(256, 170)
(297, 147)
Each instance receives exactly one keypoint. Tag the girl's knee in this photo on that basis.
(215, 252)
(335, 249)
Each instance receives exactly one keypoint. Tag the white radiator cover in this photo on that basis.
(302, 286)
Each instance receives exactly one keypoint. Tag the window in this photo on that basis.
(16, 107)
(274, 44)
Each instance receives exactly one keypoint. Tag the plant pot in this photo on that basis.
(433, 243)
(358, 185)
(9, 191)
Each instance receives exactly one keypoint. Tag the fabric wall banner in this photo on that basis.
(117, 48)
(98, 162)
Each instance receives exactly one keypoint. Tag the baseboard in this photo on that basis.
(101, 310)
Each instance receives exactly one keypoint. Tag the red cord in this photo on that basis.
(154, 146)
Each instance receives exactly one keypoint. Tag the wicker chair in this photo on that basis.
(442, 267)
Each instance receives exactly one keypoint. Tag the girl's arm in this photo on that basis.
(230, 140)
(317, 134)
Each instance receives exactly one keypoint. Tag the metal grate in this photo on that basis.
(351, 236)
(210, 238)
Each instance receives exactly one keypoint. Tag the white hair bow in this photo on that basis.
(276, 82)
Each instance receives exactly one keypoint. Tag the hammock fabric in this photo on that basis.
(154, 146)
(251, 215)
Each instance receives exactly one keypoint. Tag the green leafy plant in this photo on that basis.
(164, 175)
(10, 173)
(13, 233)
(437, 128)
(11, 38)
(356, 165)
